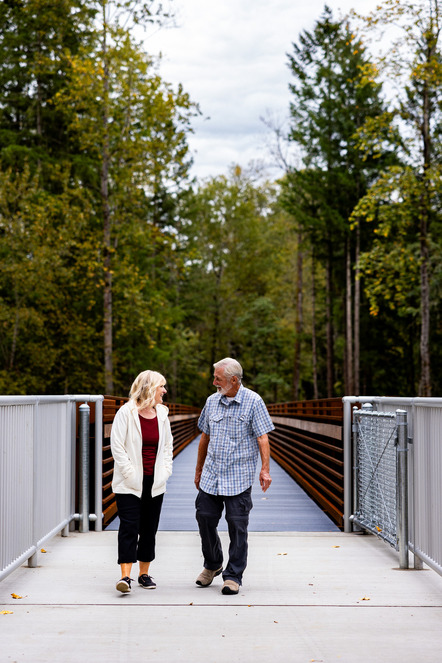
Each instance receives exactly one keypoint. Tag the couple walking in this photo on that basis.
(234, 424)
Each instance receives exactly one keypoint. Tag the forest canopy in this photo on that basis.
(326, 282)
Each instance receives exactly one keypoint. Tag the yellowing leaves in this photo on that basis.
(16, 596)
(6, 612)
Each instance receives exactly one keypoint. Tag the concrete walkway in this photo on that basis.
(326, 597)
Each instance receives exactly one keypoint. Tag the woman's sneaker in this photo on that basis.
(123, 585)
(146, 581)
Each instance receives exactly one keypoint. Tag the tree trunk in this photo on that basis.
(357, 315)
(348, 322)
(425, 381)
(298, 322)
(107, 249)
(314, 350)
(329, 314)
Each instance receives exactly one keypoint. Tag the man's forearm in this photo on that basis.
(201, 458)
(264, 449)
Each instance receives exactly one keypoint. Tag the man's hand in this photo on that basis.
(265, 480)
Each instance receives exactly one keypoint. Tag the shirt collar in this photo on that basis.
(237, 397)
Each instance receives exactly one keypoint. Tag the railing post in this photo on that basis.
(99, 465)
(347, 463)
(355, 428)
(83, 434)
(402, 487)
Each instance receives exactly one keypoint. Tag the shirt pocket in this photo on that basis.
(215, 422)
(240, 427)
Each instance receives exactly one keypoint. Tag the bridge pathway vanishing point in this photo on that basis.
(285, 507)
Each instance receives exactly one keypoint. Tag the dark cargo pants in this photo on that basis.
(208, 513)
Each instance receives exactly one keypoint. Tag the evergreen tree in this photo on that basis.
(334, 92)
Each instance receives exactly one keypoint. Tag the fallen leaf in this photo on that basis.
(16, 596)
(43, 550)
(6, 612)
(365, 598)
(282, 553)
(378, 529)
(191, 603)
(274, 622)
(336, 546)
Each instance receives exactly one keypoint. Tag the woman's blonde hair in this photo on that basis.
(144, 387)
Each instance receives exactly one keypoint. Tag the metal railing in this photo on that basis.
(183, 422)
(380, 456)
(423, 475)
(307, 443)
(37, 473)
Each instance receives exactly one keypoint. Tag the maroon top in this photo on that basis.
(150, 436)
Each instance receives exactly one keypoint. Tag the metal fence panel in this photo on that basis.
(16, 482)
(424, 471)
(427, 466)
(37, 472)
(376, 467)
(52, 462)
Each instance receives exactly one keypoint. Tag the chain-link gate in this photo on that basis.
(380, 476)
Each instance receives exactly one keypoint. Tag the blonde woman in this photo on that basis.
(142, 444)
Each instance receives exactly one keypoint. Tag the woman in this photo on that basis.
(141, 444)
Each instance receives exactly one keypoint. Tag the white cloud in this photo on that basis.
(230, 56)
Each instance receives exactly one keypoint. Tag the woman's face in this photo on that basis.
(159, 393)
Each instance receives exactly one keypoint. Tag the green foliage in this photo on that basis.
(95, 194)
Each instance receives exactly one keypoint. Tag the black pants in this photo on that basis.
(208, 513)
(139, 518)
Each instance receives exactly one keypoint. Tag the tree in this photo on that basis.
(48, 256)
(334, 92)
(130, 128)
(414, 128)
(236, 237)
(37, 40)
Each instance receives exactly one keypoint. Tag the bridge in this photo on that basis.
(312, 592)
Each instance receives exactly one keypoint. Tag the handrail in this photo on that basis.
(307, 442)
(183, 422)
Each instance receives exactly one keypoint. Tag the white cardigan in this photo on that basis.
(126, 447)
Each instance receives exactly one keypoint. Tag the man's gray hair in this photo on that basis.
(231, 367)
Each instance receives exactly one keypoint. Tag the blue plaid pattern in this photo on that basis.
(233, 451)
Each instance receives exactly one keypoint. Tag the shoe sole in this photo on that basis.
(123, 588)
(143, 587)
(200, 584)
(227, 590)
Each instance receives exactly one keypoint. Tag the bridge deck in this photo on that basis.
(315, 596)
(285, 507)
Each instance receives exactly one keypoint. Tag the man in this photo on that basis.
(234, 425)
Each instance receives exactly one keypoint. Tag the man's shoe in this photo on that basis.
(146, 581)
(206, 576)
(123, 585)
(230, 587)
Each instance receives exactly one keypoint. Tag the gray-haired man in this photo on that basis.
(234, 425)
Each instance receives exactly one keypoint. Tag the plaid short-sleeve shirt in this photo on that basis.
(233, 451)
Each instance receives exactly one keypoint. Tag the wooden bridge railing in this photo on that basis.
(183, 422)
(307, 442)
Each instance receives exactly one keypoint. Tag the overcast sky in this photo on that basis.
(230, 56)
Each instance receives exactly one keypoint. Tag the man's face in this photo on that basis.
(225, 386)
